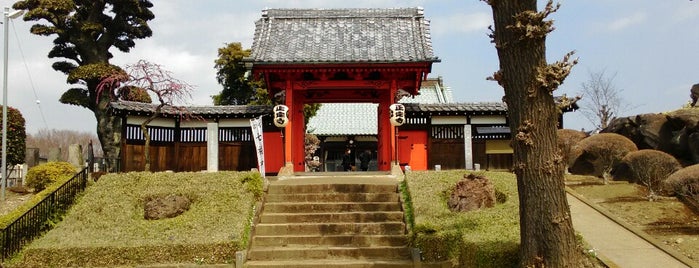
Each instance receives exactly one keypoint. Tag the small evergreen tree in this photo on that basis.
(87, 32)
(16, 137)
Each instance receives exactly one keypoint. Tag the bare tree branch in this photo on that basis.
(601, 100)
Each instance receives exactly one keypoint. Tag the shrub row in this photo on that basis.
(613, 155)
(685, 182)
(220, 252)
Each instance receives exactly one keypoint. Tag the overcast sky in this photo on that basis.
(652, 48)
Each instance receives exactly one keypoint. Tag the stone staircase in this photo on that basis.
(331, 221)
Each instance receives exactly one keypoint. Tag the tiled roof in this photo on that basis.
(361, 119)
(148, 108)
(456, 107)
(342, 36)
(344, 119)
(431, 91)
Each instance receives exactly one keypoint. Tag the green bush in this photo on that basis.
(598, 154)
(253, 184)
(684, 182)
(437, 246)
(647, 167)
(16, 136)
(40, 176)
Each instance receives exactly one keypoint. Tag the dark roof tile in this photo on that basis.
(342, 36)
(148, 108)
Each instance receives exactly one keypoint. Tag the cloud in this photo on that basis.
(461, 23)
(685, 13)
(193, 68)
(626, 22)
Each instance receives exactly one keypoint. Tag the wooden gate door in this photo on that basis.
(412, 149)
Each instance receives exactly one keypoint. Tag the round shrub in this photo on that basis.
(684, 182)
(566, 140)
(598, 154)
(40, 176)
(647, 167)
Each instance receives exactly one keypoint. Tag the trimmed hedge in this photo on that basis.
(647, 167)
(566, 140)
(221, 252)
(40, 176)
(684, 182)
(598, 154)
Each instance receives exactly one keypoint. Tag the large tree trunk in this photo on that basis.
(547, 235)
(109, 134)
(108, 127)
(146, 146)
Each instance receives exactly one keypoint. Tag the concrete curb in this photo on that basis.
(645, 236)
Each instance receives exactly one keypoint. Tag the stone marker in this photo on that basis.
(75, 156)
(54, 154)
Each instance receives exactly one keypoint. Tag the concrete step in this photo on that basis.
(327, 252)
(331, 222)
(364, 263)
(330, 240)
(334, 197)
(379, 216)
(331, 188)
(383, 228)
(330, 207)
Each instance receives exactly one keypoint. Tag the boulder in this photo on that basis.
(472, 193)
(647, 131)
(156, 208)
(675, 133)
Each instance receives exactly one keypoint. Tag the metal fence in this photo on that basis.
(35, 221)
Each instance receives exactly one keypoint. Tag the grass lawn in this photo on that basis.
(484, 238)
(107, 227)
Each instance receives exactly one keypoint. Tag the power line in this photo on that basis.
(31, 81)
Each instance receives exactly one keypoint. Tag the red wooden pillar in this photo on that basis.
(287, 130)
(385, 130)
(297, 126)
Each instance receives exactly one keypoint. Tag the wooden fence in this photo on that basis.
(35, 221)
(185, 149)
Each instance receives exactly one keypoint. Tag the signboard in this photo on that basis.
(256, 126)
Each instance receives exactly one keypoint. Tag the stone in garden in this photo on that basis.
(54, 154)
(165, 207)
(676, 132)
(31, 157)
(472, 193)
(75, 156)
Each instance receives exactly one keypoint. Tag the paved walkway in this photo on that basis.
(616, 243)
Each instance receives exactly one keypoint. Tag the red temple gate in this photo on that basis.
(341, 55)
